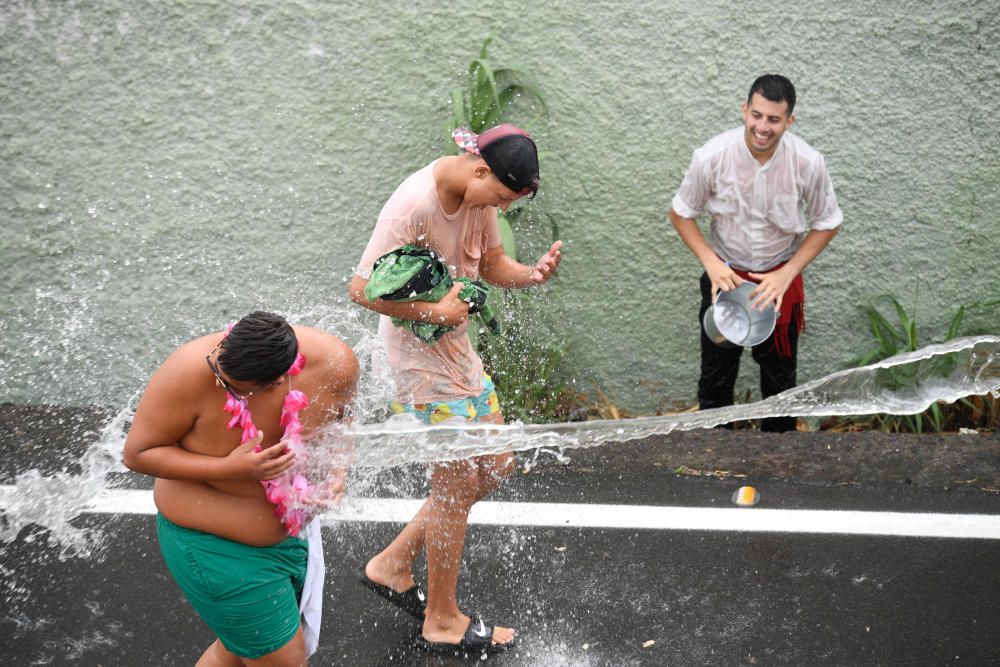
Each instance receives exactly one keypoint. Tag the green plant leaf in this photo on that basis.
(936, 417)
(909, 325)
(483, 92)
(506, 235)
(458, 108)
(885, 333)
(554, 226)
(956, 322)
(485, 47)
(521, 86)
(892, 338)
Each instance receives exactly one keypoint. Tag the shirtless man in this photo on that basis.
(229, 552)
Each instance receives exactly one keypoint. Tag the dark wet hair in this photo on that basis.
(261, 347)
(775, 88)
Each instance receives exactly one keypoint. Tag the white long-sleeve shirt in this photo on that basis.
(760, 213)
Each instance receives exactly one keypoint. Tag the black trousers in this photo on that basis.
(720, 365)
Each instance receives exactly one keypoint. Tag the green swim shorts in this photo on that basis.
(249, 596)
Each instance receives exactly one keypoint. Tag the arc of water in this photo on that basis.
(904, 384)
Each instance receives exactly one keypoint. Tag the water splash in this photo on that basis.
(53, 501)
(905, 384)
(908, 383)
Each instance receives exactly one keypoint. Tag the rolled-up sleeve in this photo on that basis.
(821, 209)
(693, 194)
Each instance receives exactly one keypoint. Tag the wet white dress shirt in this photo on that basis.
(759, 213)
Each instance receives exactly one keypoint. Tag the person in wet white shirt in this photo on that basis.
(773, 210)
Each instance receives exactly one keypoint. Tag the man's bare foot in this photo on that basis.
(453, 629)
(410, 599)
(381, 571)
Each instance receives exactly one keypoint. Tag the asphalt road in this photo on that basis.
(589, 595)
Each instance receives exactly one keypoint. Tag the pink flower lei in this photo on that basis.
(288, 492)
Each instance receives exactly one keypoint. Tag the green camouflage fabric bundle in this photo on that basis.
(412, 273)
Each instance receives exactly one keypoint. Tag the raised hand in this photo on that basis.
(547, 264)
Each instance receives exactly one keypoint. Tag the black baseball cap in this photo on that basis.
(509, 152)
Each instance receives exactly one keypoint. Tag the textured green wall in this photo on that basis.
(169, 165)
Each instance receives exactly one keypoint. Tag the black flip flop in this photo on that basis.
(478, 639)
(412, 600)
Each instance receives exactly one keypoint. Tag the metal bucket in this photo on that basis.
(734, 321)
(712, 331)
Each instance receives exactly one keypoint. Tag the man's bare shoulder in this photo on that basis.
(180, 383)
(190, 354)
(325, 350)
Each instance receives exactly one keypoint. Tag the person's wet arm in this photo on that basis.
(450, 310)
(722, 276)
(688, 203)
(498, 269)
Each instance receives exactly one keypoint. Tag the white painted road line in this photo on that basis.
(637, 517)
(647, 517)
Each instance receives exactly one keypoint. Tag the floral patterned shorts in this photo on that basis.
(472, 408)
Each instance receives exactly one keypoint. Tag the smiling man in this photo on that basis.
(773, 210)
